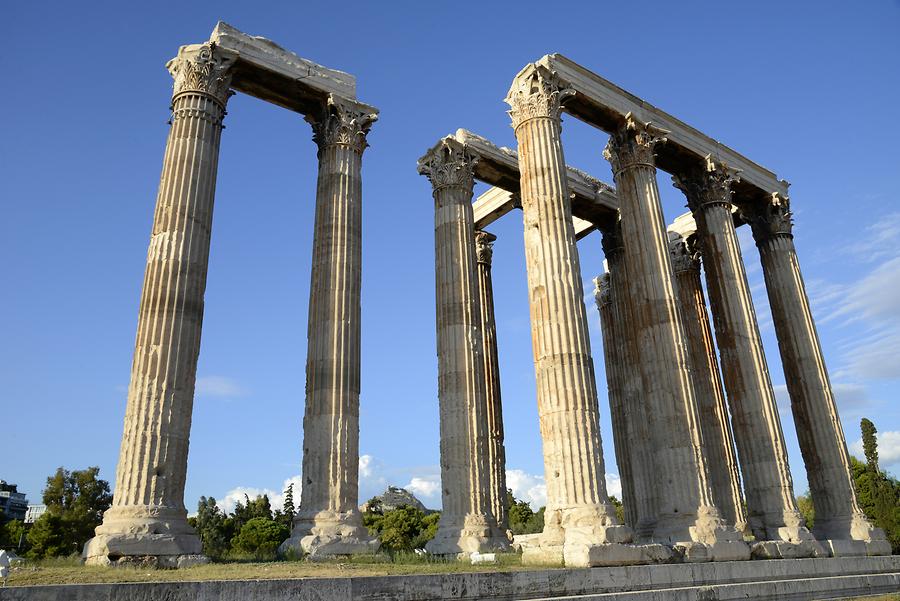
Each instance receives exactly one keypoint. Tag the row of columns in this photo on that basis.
(682, 460)
(147, 519)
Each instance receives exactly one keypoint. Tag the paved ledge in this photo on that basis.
(789, 579)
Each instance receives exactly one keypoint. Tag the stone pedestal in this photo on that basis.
(328, 521)
(772, 510)
(147, 521)
(484, 242)
(578, 513)
(467, 523)
(718, 445)
(840, 523)
(686, 514)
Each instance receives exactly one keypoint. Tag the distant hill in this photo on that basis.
(394, 497)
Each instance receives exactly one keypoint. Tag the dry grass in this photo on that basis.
(69, 571)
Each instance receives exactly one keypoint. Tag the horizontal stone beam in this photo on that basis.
(496, 202)
(267, 71)
(592, 200)
(604, 105)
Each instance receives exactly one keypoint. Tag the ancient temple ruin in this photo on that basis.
(702, 456)
(148, 518)
(675, 445)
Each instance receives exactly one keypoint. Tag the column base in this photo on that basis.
(323, 534)
(704, 527)
(780, 549)
(855, 548)
(145, 535)
(463, 535)
(692, 552)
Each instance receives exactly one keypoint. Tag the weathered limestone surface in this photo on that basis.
(772, 510)
(644, 476)
(328, 521)
(578, 514)
(685, 509)
(484, 242)
(797, 580)
(147, 518)
(467, 523)
(718, 445)
(614, 357)
(822, 442)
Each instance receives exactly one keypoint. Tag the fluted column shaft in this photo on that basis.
(684, 504)
(467, 523)
(329, 497)
(718, 444)
(150, 477)
(577, 503)
(496, 452)
(614, 358)
(772, 510)
(819, 431)
(644, 479)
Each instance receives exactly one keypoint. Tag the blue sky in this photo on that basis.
(807, 89)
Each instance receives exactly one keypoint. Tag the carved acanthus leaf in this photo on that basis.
(536, 92)
(709, 183)
(769, 218)
(342, 122)
(484, 247)
(449, 163)
(633, 144)
(684, 253)
(204, 68)
(602, 290)
(612, 240)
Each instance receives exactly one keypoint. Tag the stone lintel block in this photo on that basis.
(605, 105)
(269, 72)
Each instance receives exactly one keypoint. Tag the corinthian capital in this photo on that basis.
(342, 122)
(633, 144)
(709, 183)
(602, 290)
(612, 241)
(449, 163)
(769, 218)
(202, 68)
(536, 92)
(684, 253)
(484, 247)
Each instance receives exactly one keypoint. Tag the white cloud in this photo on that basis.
(428, 486)
(276, 498)
(366, 468)
(888, 448)
(221, 387)
(881, 239)
(533, 489)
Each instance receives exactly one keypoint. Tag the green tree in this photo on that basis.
(429, 530)
(50, 536)
(807, 510)
(289, 510)
(522, 518)
(400, 528)
(75, 504)
(260, 537)
(12, 536)
(870, 443)
(210, 526)
(620, 509)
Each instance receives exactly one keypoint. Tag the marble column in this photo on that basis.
(772, 510)
(467, 522)
(637, 435)
(614, 358)
(686, 514)
(328, 521)
(718, 444)
(840, 523)
(484, 242)
(578, 514)
(147, 519)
